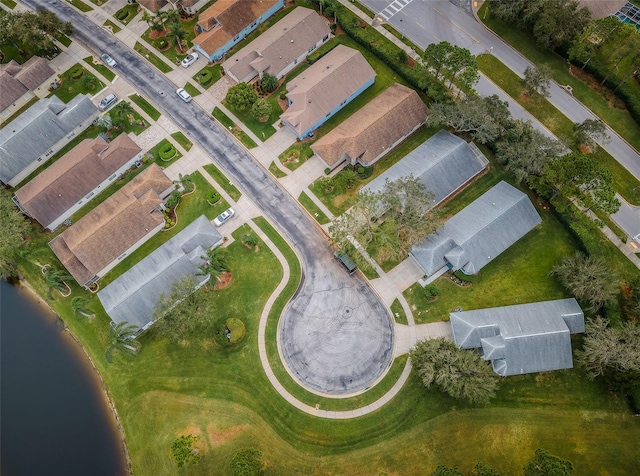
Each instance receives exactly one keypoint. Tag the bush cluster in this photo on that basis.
(76, 72)
(214, 197)
(205, 78)
(167, 152)
(122, 14)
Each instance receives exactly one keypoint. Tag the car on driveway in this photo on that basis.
(185, 96)
(108, 101)
(109, 60)
(224, 217)
(189, 60)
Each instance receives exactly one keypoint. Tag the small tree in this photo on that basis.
(261, 109)
(80, 306)
(216, 262)
(178, 313)
(589, 132)
(104, 121)
(247, 462)
(458, 372)
(183, 451)
(588, 278)
(269, 82)
(250, 239)
(122, 339)
(545, 464)
(537, 80)
(55, 280)
(349, 177)
(241, 97)
(174, 199)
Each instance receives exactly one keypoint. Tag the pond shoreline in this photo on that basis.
(24, 284)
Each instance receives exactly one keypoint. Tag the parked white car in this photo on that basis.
(185, 96)
(190, 59)
(109, 60)
(224, 217)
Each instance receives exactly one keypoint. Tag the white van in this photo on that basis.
(107, 102)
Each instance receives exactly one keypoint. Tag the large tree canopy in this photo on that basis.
(177, 313)
(460, 373)
(33, 30)
(390, 220)
(485, 118)
(241, 96)
(589, 278)
(14, 226)
(545, 464)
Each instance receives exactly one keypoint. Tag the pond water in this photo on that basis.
(54, 419)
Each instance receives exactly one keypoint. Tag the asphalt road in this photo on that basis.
(432, 21)
(336, 335)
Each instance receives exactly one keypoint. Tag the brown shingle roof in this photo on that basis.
(602, 8)
(374, 128)
(233, 16)
(97, 239)
(34, 72)
(153, 5)
(74, 175)
(322, 87)
(280, 45)
(17, 79)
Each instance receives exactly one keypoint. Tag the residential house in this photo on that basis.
(115, 228)
(227, 22)
(473, 237)
(19, 83)
(38, 133)
(72, 181)
(374, 130)
(133, 296)
(153, 5)
(444, 164)
(280, 48)
(326, 87)
(623, 10)
(521, 339)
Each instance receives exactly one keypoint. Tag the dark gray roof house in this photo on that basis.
(444, 163)
(477, 234)
(30, 139)
(132, 297)
(523, 338)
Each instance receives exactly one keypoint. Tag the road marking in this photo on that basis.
(393, 8)
(420, 26)
(455, 24)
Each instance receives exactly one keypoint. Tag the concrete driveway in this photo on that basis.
(336, 336)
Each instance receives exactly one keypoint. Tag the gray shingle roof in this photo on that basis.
(443, 163)
(523, 338)
(279, 46)
(37, 130)
(478, 233)
(133, 296)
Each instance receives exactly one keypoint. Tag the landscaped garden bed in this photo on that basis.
(77, 80)
(126, 13)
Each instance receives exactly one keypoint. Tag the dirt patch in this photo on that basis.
(219, 437)
(594, 84)
(223, 281)
(200, 445)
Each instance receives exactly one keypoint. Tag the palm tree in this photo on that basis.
(123, 339)
(147, 17)
(216, 263)
(178, 35)
(54, 279)
(104, 121)
(90, 82)
(80, 307)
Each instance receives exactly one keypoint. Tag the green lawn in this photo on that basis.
(164, 163)
(146, 106)
(131, 11)
(181, 139)
(238, 133)
(313, 209)
(114, 28)
(340, 198)
(296, 155)
(191, 89)
(152, 58)
(100, 68)
(69, 88)
(216, 74)
(9, 3)
(223, 181)
(275, 170)
(219, 391)
(617, 117)
(171, 52)
(626, 184)
(83, 7)
(398, 312)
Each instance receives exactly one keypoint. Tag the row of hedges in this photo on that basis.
(627, 93)
(389, 53)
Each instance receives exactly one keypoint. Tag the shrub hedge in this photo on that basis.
(205, 78)
(167, 152)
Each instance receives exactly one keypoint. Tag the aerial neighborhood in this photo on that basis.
(336, 236)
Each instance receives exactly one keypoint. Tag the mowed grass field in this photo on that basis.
(205, 386)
